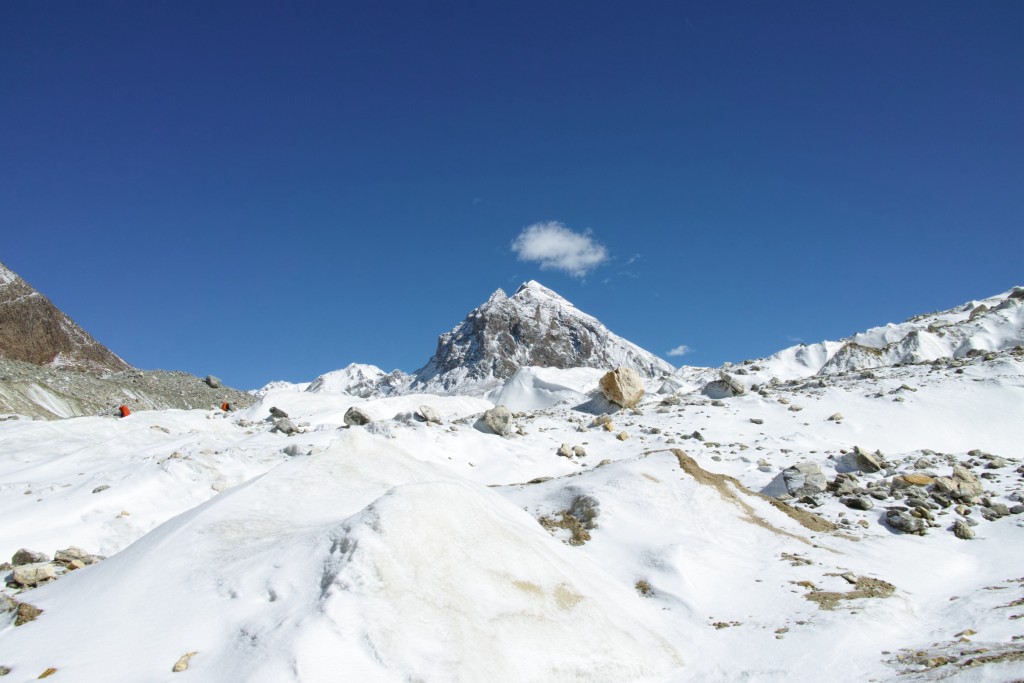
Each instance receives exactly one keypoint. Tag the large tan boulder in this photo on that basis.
(623, 387)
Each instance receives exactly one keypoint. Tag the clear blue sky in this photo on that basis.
(270, 190)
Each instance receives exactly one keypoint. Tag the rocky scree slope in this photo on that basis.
(33, 330)
(533, 327)
(51, 393)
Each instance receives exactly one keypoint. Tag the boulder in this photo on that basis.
(25, 556)
(581, 452)
(962, 530)
(858, 503)
(26, 613)
(429, 414)
(905, 522)
(859, 461)
(277, 412)
(565, 450)
(499, 419)
(736, 387)
(29, 575)
(904, 481)
(798, 481)
(356, 416)
(213, 382)
(623, 387)
(285, 426)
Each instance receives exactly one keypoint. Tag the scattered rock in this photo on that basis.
(213, 382)
(907, 480)
(73, 553)
(623, 387)
(46, 674)
(30, 575)
(25, 556)
(285, 426)
(295, 450)
(905, 522)
(858, 503)
(26, 613)
(499, 419)
(799, 481)
(356, 417)
(182, 663)
(859, 460)
(757, 420)
(100, 489)
(429, 414)
(277, 412)
(622, 436)
(963, 530)
(835, 417)
(565, 450)
(643, 587)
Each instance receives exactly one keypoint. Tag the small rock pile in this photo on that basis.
(32, 568)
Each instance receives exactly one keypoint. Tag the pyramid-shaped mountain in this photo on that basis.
(33, 330)
(533, 327)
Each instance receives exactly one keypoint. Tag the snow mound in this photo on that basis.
(536, 388)
(343, 562)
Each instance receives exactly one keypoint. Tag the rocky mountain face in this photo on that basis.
(35, 331)
(533, 327)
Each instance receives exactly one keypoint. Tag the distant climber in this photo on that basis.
(226, 407)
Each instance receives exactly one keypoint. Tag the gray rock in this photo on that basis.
(285, 426)
(622, 387)
(581, 452)
(905, 522)
(859, 460)
(499, 419)
(858, 503)
(213, 382)
(100, 489)
(7, 604)
(277, 412)
(295, 450)
(25, 556)
(429, 414)
(565, 450)
(963, 530)
(797, 481)
(356, 416)
(835, 417)
(30, 575)
(757, 420)
(1017, 509)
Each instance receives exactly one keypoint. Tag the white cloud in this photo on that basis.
(556, 247)
(680, 350)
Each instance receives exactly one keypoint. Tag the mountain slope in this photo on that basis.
(533, 327)
(35, 331)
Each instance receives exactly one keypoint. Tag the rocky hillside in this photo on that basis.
(33, 330)
(50, 393)
(533, 327)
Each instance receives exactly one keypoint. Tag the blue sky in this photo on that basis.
(268, 190)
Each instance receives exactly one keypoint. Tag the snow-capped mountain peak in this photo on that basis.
(534, 327)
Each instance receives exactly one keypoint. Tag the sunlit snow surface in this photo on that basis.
(404, 550)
